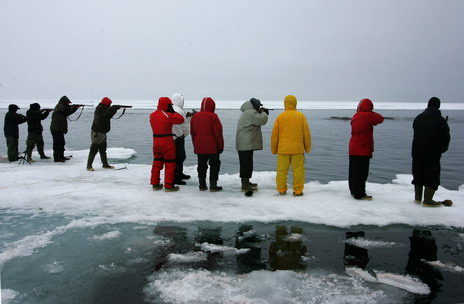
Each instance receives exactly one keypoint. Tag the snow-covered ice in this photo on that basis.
(125, 196)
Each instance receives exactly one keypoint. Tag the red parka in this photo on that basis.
(362, 129)
(206, 129)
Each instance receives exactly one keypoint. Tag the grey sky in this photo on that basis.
(391, 50)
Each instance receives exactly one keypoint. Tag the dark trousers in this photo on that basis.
(358, 173)
(426, 172)
(214, 163)
(246, 163)
(180, 157)
(12, 144)
(58, 145)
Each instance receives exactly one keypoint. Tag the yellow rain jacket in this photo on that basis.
(291, 134)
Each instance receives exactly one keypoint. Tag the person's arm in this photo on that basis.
(306, 135)
(275, 137)
(217, 129)
(445, 138)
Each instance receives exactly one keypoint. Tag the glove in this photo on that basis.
(265, 111)
(170, 109)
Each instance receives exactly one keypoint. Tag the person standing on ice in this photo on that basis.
(431, 140)
(208, 143)
(11, 130)
(361, 147)
(181, 131)
(249, 138)
(290, 139)
(59, 127)
(35, 115)
(164, 149)
(100, 127)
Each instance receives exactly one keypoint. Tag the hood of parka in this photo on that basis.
(247, 105)
(178, 100)
(64, 100)
(290, 102)
(163, 103)
(365, 105)
(208, 104)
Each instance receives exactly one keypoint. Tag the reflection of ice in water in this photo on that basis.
(54, 267)
(7, 296)
(107, 236)
(407, 283)
(369, 244)
(202, 286)
(445, 266)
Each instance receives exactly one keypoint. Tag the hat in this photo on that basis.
(434, 102)
(106, 101)
(256, 103)
(34, 106)
(13, 107)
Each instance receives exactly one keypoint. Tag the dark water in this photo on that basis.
(327, 161)
(108, 272)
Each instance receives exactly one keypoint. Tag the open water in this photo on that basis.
(136, 271)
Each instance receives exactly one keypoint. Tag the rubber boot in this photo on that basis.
(29, 153)
(104, 160)
(40, 149)
(247, 186)
(92, 154)
(253, 185)
(203, 186)
(213, 187)
(428, 197)
(418, 193)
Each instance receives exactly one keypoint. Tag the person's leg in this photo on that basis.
(246, 169)
(201, 169)
(156, 167)
(215, 167)
(283, 164)
(359, 173)
(30, 144)
(432, 169)
(298, 169)
(12, 144)
(169, 165)
(40, 146)
(180, 158)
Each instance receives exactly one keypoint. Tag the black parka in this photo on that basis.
(431, 135)
(102, 118)
(59, 117)
(34, 118)
(12, 120)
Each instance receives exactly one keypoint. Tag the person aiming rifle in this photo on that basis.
(35, 115)
(59, 127)
(100, 127)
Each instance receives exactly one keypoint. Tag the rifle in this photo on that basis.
(124, 107)
(47, 110)
(190, 114)
(79, 105)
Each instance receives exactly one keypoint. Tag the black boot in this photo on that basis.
(104, 160)
(213, 187)
(40, 149)
(29, 153)
(418, 193)
(93, 151)
(203, 186)
(428, 197)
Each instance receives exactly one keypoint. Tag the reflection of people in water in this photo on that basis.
(354, 255)
(178, 243)
(287, 250)
(424, 248)
(251, 260)
(210, 235)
